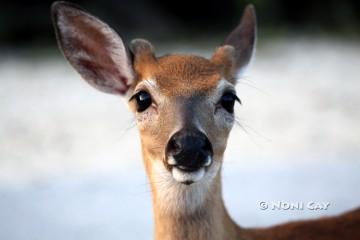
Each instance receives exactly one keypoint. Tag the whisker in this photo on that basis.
(256, 132)
(246, 128)
(131, 125)
(251, 84)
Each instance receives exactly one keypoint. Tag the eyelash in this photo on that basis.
(227, 101)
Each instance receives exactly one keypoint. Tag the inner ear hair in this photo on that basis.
(93, 48)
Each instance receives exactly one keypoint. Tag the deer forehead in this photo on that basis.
(180, 75)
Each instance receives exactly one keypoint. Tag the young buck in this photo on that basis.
(184, 108)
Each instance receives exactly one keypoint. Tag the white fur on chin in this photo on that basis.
(183, 177)
(176, 197)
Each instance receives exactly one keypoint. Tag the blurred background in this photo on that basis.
(70, 163)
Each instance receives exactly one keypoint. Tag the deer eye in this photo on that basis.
(143, 100)
(227, 101)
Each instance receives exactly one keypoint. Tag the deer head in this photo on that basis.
(184, 104)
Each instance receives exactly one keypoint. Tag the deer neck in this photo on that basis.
(189, 212)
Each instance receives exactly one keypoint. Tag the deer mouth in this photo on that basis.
(187, 176)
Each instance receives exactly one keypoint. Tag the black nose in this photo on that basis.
(191, 150)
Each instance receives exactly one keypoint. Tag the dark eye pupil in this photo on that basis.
(143, 101)
(228, 102)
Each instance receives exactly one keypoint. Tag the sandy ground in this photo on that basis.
(70, 164)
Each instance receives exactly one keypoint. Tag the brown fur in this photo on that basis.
(224, 59)
(179, 75)
(184, 75)
(186, 95)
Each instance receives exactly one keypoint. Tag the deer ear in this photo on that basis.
(238, 47)
(92, 48)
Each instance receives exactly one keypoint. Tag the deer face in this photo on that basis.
(184, 111)
(184, 105)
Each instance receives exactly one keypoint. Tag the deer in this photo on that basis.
(184, 110)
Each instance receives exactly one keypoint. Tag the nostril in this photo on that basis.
(174, 146)
(205, 146)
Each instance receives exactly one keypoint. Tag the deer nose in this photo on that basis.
(189, 150)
